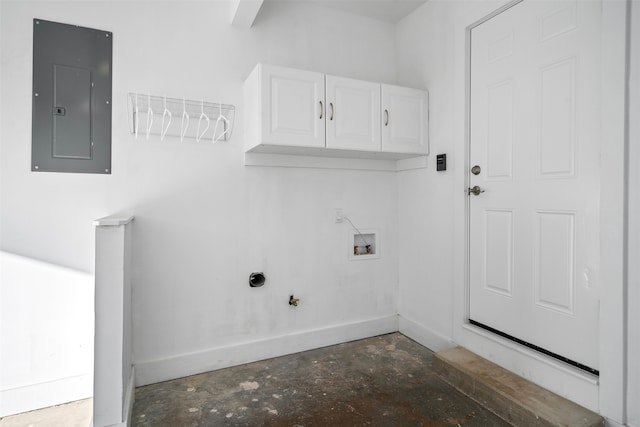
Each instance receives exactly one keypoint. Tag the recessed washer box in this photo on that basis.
(364, 244)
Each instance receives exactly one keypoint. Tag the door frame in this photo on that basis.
(467, 157)
(605, 394)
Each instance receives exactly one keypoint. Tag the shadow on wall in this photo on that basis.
(46, 334)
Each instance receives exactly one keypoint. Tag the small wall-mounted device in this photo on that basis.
(441, 162)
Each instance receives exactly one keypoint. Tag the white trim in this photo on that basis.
(244, 12)
(612, 333)
(113, 220)
(485, 19)
(153, 371)
(633, 222)
(129, 398)
(304, 161)
(44, 394)
(113, 370)
(421, 334)
(611, 423)
(350, 160)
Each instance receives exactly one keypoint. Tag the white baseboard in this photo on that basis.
(127, 408)
(423, 335)
(153, 371)
(611, 423)
(42, 395)
(129, 398)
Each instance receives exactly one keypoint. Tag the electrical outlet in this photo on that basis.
(339, 215)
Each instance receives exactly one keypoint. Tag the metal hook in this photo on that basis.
(199, 135)
(136, 117)
(166, 113)
(149, 116)
(185, 115)
(225, 126)
(202, 115)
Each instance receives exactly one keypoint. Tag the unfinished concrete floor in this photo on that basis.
(380, 381)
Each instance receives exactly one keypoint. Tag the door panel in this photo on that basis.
(499, 162)
(534, 108)
(292, 110)
(557, 119)
(405, 120)
(353, 114)
(554, 260)
(498, 260)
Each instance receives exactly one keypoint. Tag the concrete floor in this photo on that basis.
(380, 381)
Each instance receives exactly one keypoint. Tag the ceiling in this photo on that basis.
(383, 10)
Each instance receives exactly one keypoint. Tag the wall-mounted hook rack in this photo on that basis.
(186, 116)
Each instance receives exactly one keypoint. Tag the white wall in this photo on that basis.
(425, 197)
(633, 333)
(46, 334)
(204, 221)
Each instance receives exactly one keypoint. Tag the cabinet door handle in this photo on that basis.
(386, 117)
(331, 105)
(321, 109)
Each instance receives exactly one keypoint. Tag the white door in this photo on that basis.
(292, 107)
(534, 128)
(353, 114)
(405, 120)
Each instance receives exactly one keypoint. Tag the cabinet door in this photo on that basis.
(292, 107)
(353, 114)
(405, 120)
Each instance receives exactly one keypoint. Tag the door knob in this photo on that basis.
(475, 190)
(476, 170)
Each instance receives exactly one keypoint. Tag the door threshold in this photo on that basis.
(511, 397)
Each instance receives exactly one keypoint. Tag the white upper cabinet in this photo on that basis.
(405, 124)
(284, 107)
(289, 111)
(352, 114)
